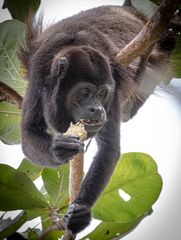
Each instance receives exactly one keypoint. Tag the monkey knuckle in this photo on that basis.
(57, 138)
(73, 137)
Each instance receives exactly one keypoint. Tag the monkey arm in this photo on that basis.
(105, 160)
(38, 145)
(79, 212)
(36, 142)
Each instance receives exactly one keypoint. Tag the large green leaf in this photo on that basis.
(56, 182)
(12, 35)
(18, 191)
(136, 174)
(10, 117)
(19, 9)
(33, 234)
(111, 230)
(31, 170)
(54, 235)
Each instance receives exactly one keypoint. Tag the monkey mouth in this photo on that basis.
(91, 122)
(92, 125)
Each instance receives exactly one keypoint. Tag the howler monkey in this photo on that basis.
(73, 75)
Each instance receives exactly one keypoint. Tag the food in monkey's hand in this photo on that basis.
(78, 130)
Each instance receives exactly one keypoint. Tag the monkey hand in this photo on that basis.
(77, 218)
(66, 147)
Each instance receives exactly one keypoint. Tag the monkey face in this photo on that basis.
(87, 103)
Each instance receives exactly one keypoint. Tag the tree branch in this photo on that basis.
(76, 170)
(175, 23)
(150, 34)
(9, 94)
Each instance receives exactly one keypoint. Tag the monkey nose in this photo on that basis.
(96, 111)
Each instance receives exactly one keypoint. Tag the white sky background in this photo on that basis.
(155, 130)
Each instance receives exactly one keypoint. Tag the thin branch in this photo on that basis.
(75, 180)
(150, 34)
(10, 94)
(59, 224)
(68, 236)
(76, 176)
(86, 148)
(143, 63)
(47, 231)
(76, 171)
(175, 23)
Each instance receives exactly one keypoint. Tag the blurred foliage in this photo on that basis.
(12, 35)
(136, 174)
(10, 117)
(20, 9)
(176, 57)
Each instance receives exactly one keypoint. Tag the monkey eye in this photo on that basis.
(84, 93)
(103, 93)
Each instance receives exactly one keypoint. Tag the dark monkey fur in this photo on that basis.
(73, 74)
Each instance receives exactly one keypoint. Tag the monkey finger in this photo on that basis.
(72, 139)
(77, 207)
(68, 145)
(68, 153)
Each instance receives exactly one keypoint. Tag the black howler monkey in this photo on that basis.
(73, 74)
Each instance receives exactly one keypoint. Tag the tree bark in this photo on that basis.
(10, 95)
(150, 34)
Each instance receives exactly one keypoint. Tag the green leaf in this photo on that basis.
(109, 230)
(18, 191)
(10, 117)
(136, 174)
(12, 35)
(54, 235)
(33, 234)
(19, 9)
(56, 182)
(9, 226)
(34, 213)
(31, 170)
(176, 57)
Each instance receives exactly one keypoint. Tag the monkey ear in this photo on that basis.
(59, 67)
